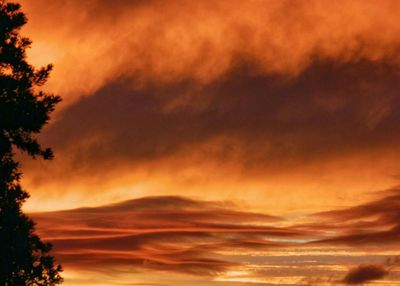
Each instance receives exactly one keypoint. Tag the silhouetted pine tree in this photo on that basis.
(24, 258)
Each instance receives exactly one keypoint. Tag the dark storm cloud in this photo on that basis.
(329, 111)
(165, 233)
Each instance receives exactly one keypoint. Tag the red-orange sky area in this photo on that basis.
(190, 127)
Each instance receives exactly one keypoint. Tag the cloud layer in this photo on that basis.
(93, 43)
(246, 128)
(373, 223)
(220, 99)
(158, 233)
(216, 239)
(181, 96)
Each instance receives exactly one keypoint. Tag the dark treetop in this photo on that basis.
(24, 258)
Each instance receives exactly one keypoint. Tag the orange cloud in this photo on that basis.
(95, 42)
(164, 233)
(372, 224)
(215, 240)
(263, 102)
(257, 135)
(249, 90)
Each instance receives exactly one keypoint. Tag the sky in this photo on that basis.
(226, 143)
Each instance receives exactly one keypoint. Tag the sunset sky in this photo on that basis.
(219, 143)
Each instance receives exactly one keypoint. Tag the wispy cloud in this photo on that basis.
(373, 223)
(161, 233)
(202, 238)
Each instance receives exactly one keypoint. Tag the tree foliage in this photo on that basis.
(24, 258)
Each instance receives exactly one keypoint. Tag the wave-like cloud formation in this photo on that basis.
(165, 233)
(373, 223)
(93, 42)
(201, 238)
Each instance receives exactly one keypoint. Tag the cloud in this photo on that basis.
(158, 233)
(153, 42)
(221, 91)
(365, 273)
(213, 240)
(374, 223)
(194, 94)
(254, 123)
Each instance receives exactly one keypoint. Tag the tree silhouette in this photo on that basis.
(24, 258)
